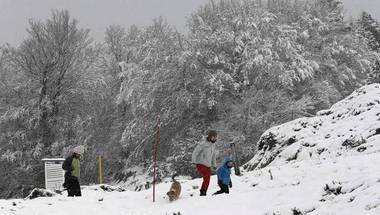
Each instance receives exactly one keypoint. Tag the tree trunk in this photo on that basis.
(44, 131)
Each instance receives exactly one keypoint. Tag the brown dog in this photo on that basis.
(175, 190)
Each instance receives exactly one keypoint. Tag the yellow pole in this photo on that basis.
(100, 169)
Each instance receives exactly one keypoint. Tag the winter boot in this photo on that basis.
(203, 193)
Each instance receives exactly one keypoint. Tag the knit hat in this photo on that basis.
(79, 150)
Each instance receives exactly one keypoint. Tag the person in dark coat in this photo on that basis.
(72, 172)
(224, 176)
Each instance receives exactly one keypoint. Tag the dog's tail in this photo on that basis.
(173, 177)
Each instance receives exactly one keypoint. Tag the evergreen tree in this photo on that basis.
(369, 28)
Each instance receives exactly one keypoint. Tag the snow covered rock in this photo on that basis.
(350, 127)
(39, 192)
(110, 188)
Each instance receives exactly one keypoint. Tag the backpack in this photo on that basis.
(67, 163)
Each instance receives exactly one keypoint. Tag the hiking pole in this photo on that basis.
(155, 156)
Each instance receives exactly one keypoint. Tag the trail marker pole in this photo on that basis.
(155, 156)
(100, 169)
(235, 158)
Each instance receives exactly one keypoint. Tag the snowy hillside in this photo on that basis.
(350, 127)
(328, 164)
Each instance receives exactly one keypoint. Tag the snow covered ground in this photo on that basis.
(328, 164)
(353, 181)
(349, 127)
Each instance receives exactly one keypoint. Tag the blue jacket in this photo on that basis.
(224, 172)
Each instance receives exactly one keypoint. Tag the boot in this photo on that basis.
(218, 192)
(203, 193)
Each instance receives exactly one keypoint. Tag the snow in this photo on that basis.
(298, 185)
(53, 159)
(318, 172)
(347, 128)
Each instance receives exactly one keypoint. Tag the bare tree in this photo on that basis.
(115, 40)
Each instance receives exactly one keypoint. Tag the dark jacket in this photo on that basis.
(224, 172)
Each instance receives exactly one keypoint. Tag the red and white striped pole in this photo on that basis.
(155, 156)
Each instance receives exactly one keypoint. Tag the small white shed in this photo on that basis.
(54, 174)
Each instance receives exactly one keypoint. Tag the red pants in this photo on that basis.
(206, 173)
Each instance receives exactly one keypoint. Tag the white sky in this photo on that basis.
(98, 14)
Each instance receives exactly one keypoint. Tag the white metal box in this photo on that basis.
(54, 174)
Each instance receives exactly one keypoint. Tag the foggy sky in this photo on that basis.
(98, 14)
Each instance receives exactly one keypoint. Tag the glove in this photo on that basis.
(230, 184)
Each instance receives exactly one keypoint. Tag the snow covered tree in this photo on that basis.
(250, 51)
(50, 79)
(148, 83)
(115, 41)
(244, 50)
(51, 57)
(369, 28)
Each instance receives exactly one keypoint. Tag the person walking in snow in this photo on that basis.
(72, 172)
(204, 156)
(224, 176)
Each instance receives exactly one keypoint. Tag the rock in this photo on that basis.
(334, 188)
(296, 211)
(39, 192)
(110, 188)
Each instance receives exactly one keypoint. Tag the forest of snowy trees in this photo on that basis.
(241, 67)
